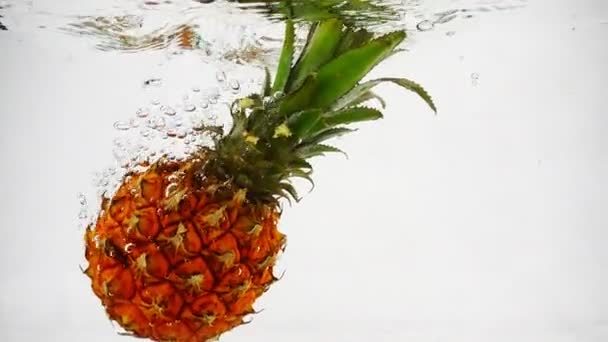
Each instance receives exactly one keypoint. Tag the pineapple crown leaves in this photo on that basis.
(310, 101)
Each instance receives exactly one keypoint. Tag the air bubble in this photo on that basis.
(234, 84)
(82, 199)
(145, 133)
(83, 214)
(425, 25)
(122, 125)
(151, 123)
(190, 108)
(475, 78)
(220, 76)
(198, 126)
(160, 122)
(196, 89)
(169, 111)
(445, 19)
(171, 132)
(153, 82)
(142, 112)
(182, 133)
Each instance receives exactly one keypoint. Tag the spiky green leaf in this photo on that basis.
(327, 134)
(351, 115)
(306, 175)
(301, 98)
(300, 163)
(301, 123)
(363, 88)
(286, 58)
(342, 74)
(239, 121)
(320, 49)
(369, 95)
(267, 86)
(310, 151)
(353, 39)
(291, 190)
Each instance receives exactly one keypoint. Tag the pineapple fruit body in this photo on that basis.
(175, 257)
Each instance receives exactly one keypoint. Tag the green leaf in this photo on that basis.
(328, 134)
(304, 175)
(353, 39)
(351, 115)
(239, 121)
(302, 122)
(267, 87)
(363, 88)
(320, 48)
(289, 189)
(341, 74)
(299, 99)
(309, 151)
(300, 163)
(369, 95)
(256, 120)
(286, 58)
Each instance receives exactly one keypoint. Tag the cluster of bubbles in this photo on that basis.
(172, 130)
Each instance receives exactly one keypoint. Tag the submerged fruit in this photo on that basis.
(183, 248)
(176, 257)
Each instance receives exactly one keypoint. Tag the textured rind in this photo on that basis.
(176, 257)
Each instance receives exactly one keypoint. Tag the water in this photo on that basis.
(483, 223)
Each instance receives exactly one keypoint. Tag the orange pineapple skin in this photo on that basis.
(175, 259)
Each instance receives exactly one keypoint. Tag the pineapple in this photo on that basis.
(184, 248)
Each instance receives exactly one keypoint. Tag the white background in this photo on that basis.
(486, 222)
